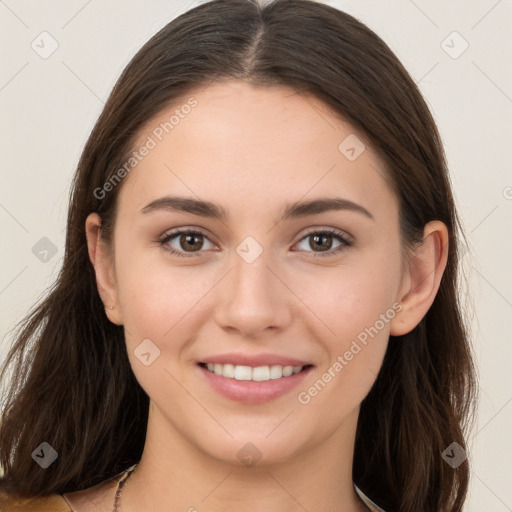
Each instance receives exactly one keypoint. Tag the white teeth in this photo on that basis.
(243, 372)
(228, 371)
(287, 371)
(276, 372)
(258, 373)
(261, 373)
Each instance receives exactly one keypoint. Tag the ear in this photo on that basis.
(103, 264)
(422, 278)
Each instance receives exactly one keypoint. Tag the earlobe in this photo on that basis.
(426, 266)
(103, 268)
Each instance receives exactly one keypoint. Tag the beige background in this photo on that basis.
(50, 105)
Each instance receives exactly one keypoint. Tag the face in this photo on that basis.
(315, 289)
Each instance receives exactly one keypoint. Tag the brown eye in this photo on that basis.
(324, 242)
(321, 242)
(184, 243)
(192, 242)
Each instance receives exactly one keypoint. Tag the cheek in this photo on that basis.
(358, 318)
(161, 304)
(349, 299)
(356, 307)
(154, 301)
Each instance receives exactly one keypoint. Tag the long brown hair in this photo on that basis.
(72, 384)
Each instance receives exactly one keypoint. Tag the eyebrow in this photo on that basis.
(293, 210)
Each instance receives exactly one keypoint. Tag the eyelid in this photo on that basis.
(332, 231)
(187, 230)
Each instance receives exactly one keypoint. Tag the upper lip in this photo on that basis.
(254, 360)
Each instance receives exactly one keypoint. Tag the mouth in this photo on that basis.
(256, 374)
(253, 385)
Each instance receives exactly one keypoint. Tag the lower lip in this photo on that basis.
(253, 392)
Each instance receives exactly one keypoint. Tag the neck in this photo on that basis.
(174, 472)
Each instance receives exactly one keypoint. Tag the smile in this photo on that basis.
(258, 373)
(253, 385)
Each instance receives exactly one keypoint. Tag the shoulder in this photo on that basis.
(49, 503)
(97, 498)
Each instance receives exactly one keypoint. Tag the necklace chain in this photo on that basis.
(120, 487)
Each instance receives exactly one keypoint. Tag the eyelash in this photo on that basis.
(328, 231)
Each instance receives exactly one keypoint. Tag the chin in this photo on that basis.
(252, 448)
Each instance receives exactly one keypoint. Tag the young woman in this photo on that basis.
(258, 304)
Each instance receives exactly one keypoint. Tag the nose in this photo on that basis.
(253, 299)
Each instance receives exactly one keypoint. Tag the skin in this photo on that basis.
(252, 150)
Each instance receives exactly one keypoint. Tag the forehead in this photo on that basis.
(254, 142)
